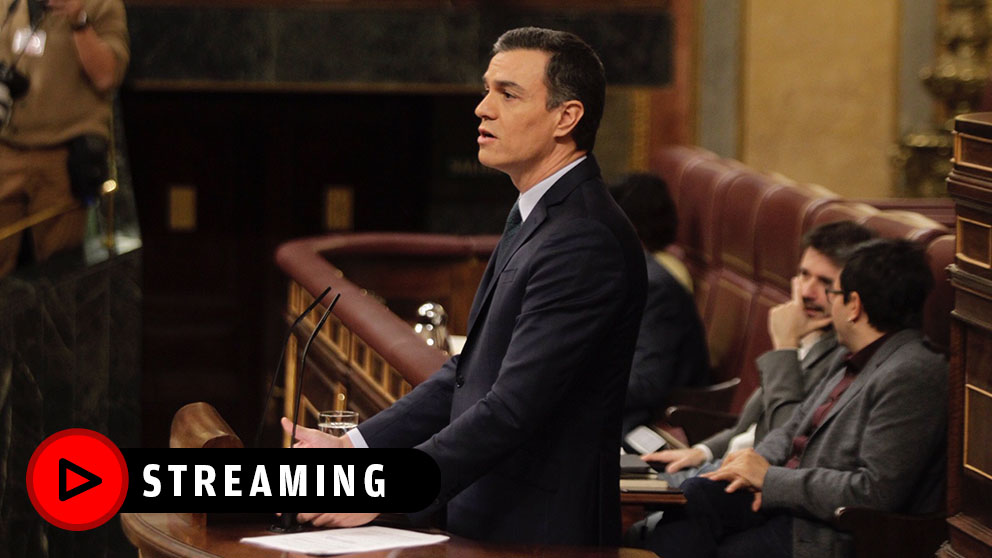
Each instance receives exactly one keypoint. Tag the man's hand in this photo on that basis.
(788, 322)
(677, 459)
(310, 438)
(745, 469)
(336, 519)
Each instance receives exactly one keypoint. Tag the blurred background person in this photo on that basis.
(671, 345)
(73, 54)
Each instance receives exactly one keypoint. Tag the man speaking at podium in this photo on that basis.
(525, 423)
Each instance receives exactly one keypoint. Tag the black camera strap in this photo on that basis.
(36, 11)
(41, 13)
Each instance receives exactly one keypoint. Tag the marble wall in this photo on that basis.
(820, 92)
(376, 46)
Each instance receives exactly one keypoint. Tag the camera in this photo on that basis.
(13, 85)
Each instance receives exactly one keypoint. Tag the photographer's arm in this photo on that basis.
(97, 58)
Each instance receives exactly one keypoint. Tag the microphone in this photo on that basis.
(287, 521)
(279, 365)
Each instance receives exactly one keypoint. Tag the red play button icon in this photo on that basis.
(69, 475)
(77, 479)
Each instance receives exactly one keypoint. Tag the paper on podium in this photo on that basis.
(345, 541)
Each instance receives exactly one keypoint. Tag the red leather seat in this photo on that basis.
(785, 214)
(739, 234)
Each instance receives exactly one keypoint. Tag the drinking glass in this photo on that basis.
(337, 423)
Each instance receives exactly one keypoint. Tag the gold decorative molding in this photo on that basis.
(974, 242)
(955, 79)
(969, 148)
(986, 403)
(640, 123)
(182, 208)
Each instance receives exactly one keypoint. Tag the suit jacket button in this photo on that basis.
(459, 381)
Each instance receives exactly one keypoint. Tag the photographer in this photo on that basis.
(73, 53)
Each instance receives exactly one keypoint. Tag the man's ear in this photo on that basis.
(857, 310)
(571, 113)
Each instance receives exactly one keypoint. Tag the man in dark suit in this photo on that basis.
(671, 347)
(872, 434)
(525, 423)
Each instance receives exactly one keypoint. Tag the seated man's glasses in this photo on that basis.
(831, 292)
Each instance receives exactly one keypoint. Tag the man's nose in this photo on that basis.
(809, 287)
(484, 109)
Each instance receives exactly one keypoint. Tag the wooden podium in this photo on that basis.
(183, 535)
(969, 479)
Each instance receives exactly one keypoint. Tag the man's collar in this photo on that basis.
(528, 200)
(811, 338)
(858, 360)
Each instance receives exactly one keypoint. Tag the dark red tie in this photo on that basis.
(799, 442)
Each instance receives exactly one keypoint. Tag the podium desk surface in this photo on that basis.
(174, 535)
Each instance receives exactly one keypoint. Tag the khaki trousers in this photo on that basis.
(33, 180)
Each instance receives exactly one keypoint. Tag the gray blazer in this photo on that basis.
(785, 382)
(881, 446)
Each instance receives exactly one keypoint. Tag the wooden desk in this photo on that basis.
(635, 506)
(175, 535)
(650, 498)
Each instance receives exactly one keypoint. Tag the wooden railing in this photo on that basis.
(367, 355)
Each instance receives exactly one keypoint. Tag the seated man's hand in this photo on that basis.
(742, 469)
(677, 459)
(310, 438)
(336, 519)
(788, 322)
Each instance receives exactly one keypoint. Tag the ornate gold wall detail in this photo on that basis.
(955, 80)
(641, 130)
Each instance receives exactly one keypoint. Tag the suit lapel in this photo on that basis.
(582, 172)
(883, 353)
(819, 350)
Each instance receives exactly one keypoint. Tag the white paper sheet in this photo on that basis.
(344, 541)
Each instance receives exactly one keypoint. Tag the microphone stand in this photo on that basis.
(287, 522)
(280, 363)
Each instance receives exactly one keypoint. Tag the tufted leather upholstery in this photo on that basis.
(739, 234)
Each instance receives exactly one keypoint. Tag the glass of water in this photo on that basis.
(337, 423)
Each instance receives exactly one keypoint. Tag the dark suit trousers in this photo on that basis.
(720, 524)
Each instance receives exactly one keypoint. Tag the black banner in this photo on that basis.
(275, 480)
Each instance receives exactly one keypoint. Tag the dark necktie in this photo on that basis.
(513, 221)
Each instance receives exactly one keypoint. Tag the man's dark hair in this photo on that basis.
(574, 71)
(835, 240)
(892, 279)
(645, 199)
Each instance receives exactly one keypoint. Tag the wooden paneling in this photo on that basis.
(259, 165)
(969, 479)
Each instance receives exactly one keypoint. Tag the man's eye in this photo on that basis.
(508, 95)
